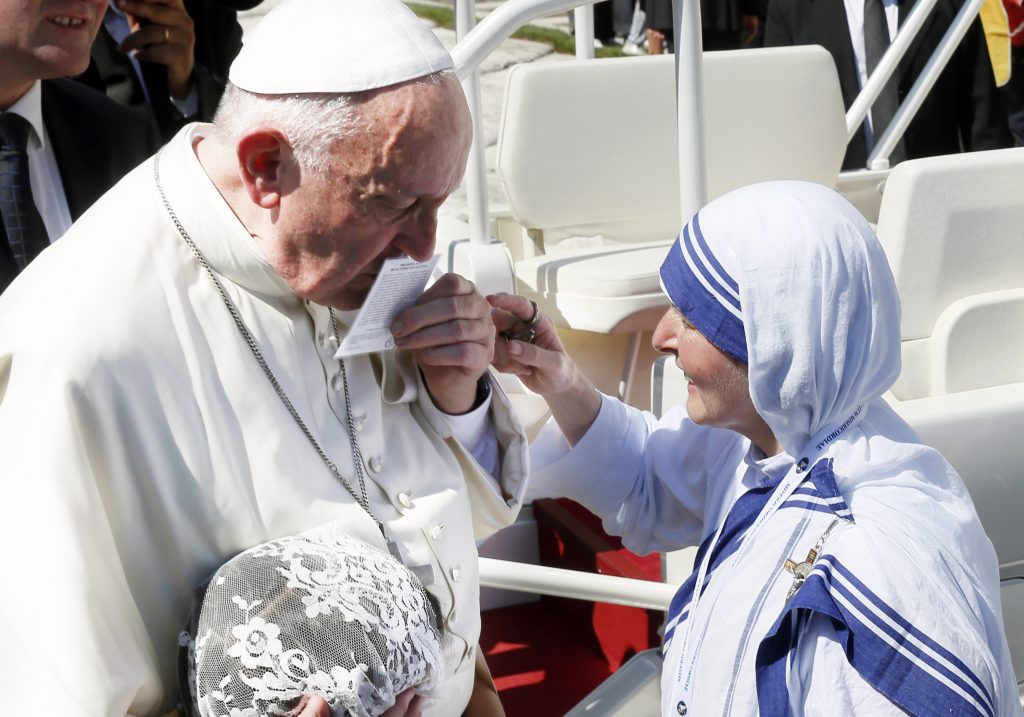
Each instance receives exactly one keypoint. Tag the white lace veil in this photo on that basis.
(320, 613)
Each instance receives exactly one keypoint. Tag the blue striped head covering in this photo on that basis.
(705, 293)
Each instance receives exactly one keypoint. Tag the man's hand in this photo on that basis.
(751, 28)
(451, 336)
(311, 706)
(162, 32)
(407, 704)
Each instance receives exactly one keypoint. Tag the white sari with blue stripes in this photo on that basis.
(899, 615)
(899, 611)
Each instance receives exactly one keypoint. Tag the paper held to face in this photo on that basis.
(400, 282)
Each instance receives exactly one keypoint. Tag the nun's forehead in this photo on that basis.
(704, 290)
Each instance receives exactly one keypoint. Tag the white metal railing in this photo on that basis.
(886, 66)
(475, 44)
(575, 584)
(689, 55)
(499, 25)
(583, 24)
(476, 166)
(879, 158)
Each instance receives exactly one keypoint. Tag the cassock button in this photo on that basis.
(359, 422)
(681, 708)
(337, 382)
(437, 531)
(328, 341)
(405, 500)
(455, 575)
(376, 463)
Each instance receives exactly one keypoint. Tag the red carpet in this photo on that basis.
(542, 665)
(547, 656)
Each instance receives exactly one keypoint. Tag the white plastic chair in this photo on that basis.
(953, 229)
(588, 157)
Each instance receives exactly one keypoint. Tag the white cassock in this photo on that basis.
(896, 611)
(141, 445)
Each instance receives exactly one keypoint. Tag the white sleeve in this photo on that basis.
(822, 682)
(646, 479)
(491, 446)
(475, 431)
(79, 643)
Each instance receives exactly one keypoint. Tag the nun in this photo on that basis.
(842, 568)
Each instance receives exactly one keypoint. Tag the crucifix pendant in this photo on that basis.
(800, 571)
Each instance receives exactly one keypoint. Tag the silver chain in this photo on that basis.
(357, 457)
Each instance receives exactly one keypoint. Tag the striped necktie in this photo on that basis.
(876, 42)
(26, 233)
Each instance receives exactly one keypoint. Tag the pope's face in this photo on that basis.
(40, 39)
(716, 393)
(380, 196)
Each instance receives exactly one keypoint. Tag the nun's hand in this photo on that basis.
(542, 363)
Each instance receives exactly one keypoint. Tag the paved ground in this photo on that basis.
(493, 71)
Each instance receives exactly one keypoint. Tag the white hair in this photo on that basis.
(311, 122)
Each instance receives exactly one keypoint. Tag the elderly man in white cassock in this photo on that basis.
(169, 394)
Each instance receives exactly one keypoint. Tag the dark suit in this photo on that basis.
(218, 40)
(95, 142)
(962, 112)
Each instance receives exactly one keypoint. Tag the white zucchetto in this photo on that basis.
(337, 46)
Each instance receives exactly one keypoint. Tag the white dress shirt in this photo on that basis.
(44, 175)
(855, 17)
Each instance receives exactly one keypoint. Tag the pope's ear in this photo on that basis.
(263, 158)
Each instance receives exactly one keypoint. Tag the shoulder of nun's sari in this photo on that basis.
(917, 649)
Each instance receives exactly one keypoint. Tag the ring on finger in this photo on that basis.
(167, 35)
(535, 317)
(529, 333)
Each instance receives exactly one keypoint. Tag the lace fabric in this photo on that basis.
(319, 613)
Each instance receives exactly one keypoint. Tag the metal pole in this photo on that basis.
(879, 158)
(476, 167)
(584, 27)
(887, 65)
(693, 190)
(499, 25)
(575, 584)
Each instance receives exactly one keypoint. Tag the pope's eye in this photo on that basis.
(394, 207)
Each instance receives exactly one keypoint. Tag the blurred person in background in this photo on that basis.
(61, 145)
(962, 112)
(169, 58)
